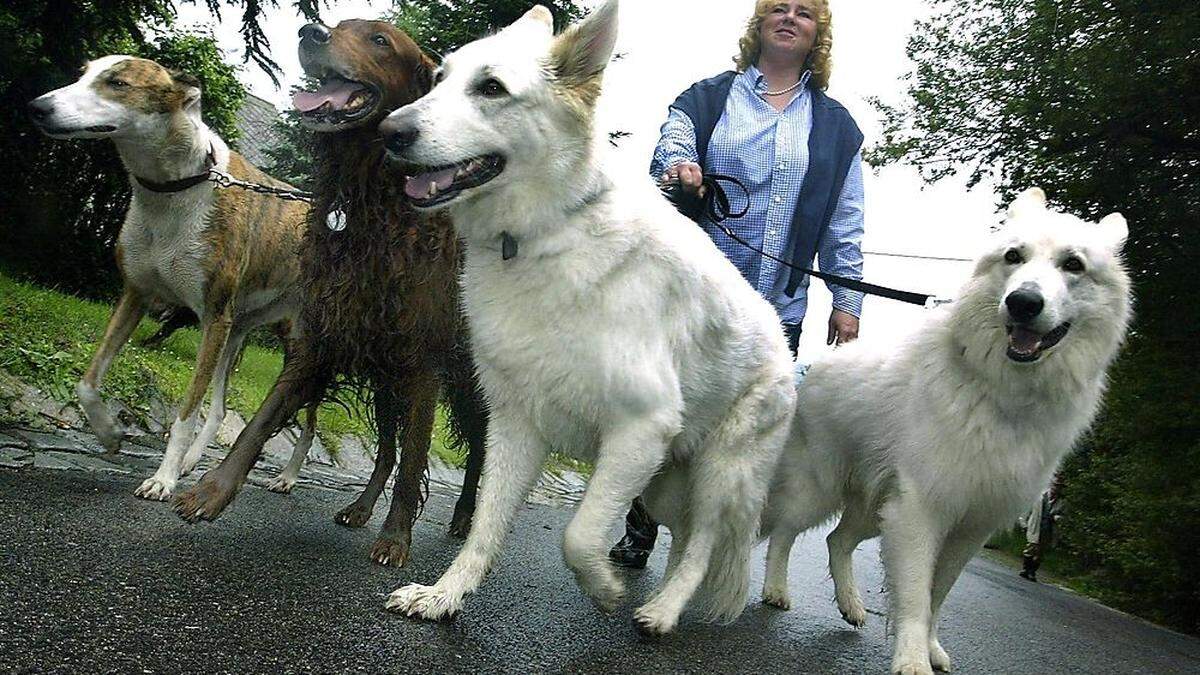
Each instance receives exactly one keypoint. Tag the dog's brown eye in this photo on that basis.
(1073, 264)
(492, 88)
(1013, 257)
(380, 40)
(117, 83)
(439, 75)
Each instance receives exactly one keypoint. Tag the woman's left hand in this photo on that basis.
(843, 328)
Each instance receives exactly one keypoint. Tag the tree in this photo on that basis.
(1098, 102)
(440, 27)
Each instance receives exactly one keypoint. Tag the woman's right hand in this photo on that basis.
(689, 176)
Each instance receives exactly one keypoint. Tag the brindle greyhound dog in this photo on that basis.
(379, 291)
(228, 256)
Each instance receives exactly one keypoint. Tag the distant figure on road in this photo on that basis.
(1039, 530)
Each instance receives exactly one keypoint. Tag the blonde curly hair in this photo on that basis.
(818, 60)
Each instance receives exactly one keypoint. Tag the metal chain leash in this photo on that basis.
(224, 180)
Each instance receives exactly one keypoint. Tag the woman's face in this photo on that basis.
(789, 28)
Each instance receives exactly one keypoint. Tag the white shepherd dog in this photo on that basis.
(939, 439)
(604, 325)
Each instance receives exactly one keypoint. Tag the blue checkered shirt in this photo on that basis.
(767, 150)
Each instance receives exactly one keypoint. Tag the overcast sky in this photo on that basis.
(669, 44)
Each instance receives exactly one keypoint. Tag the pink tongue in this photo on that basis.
(335, 92)
(417, 187)
(1024, 341)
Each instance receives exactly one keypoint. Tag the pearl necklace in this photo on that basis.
(781, 92)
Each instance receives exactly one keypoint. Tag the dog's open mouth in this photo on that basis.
(430, 186)
(338, 100)
(1026, 346)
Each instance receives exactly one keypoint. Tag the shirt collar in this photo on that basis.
(758, 82)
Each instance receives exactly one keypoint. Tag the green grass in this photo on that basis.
(47, 340)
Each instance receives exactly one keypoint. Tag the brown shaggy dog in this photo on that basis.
(380, 296)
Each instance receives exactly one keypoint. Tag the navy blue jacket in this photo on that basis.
(832, 145)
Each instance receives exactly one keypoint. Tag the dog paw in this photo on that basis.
(777, 597)
(604, 588)
(424, 602)
(207, 499)
(911, 662)
(282, 484)
(112, 442)
(391, 550)
(938, 658)
(190, 460)
(155, 489)
(852, 609)
(460, 524)
(651, 621)
(355, 515)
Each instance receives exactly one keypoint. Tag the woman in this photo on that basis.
(770, 125)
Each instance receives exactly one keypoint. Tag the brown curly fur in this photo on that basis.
(380, 316)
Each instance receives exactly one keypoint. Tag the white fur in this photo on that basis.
(164, 249)
(619, 334)
(938, 439)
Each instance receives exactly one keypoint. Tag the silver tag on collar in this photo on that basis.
(336, 220)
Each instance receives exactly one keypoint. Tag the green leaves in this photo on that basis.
(440, 27)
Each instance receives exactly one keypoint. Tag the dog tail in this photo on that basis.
(726, 585)
(755, 431)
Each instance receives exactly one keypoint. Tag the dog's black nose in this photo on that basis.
(401, 140)
(314, 32)
(1024, 304)
(40, 108)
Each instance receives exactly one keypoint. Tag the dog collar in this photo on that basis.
(182, 184)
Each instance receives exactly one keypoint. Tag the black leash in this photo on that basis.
(716, 205)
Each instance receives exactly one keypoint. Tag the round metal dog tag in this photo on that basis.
(336, 220)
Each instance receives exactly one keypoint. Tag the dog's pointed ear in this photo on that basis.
(189, 85)
(583, 51)
(1033, 199)
(539, 14)
(1114, 229)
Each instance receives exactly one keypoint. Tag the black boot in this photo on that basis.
(640, 533)
(1029, 567)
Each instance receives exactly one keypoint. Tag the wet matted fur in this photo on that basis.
(380, 300)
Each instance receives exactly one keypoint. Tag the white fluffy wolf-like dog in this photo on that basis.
(937, 440)
(604, 324)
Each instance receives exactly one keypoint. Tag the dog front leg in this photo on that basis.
(125, 317)
(286, 480)
(911, 543)
(629, 455)
(301, 383)
(392, 546)
(212, 347)
(514, 459)
(358, 512)
(958, 550)
(216, 407)
(856, 525)
(468, 417)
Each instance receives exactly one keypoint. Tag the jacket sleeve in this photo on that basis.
(676, 144)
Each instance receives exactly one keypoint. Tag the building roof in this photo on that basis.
(256, 120)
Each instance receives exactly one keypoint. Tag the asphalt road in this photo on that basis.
(93, 579)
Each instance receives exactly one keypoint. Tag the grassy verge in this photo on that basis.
(47, 339)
